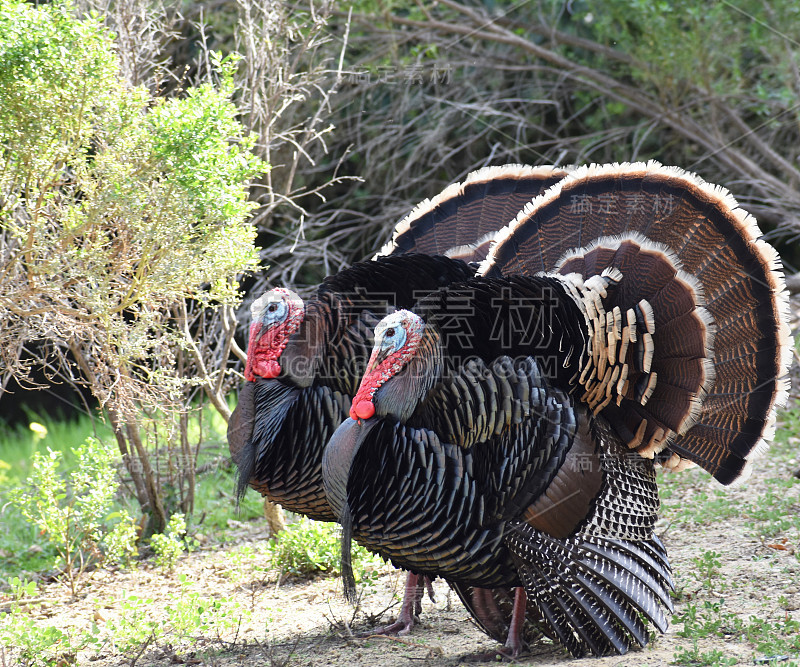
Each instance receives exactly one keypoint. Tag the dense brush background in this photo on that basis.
(365, 108)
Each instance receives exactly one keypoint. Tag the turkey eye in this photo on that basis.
(271, 308)
(389, 333)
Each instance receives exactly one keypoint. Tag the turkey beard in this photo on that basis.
(336, 463)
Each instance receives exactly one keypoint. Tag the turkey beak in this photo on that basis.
(338, 458)
(376, 358)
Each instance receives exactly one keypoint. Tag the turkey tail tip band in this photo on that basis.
(473, 209)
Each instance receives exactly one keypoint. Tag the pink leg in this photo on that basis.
(485, 609)
(410, 608)
(514, 643)
(429, 588)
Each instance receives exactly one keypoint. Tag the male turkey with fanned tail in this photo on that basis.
(640, 321)
(305, 360)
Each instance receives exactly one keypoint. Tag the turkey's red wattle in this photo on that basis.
(269, 369)
(362, 410)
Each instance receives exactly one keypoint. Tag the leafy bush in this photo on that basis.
(306, 547)
(169, 545)
(123, 222)
(71, 510)
(120, 541)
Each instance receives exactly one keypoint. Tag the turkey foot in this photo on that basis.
(416, 585)
(514, 643)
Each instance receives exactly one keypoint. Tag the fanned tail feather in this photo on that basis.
(638, 580)
(715, 409)
(461, 220)
(591, 590)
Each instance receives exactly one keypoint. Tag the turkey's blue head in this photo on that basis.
(397, 337)
(277, 314)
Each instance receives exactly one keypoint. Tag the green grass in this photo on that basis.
(704, 620)
(692, 498)
(193, 616)
(24, 552)
(771, 636)
(777, 511)
(215, 502)
(22, 549)
(19, 442)
(770, 517)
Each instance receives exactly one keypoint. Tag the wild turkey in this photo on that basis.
(517, 446)
(305, 360)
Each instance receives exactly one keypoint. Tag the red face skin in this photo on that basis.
(396, 339)
(276, 316)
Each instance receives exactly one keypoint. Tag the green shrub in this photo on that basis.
(71, 511)
(169, 545)
(120, 541)
(309, 547)
(306, 547)
(123, 219)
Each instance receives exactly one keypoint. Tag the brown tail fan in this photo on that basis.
(685, 248)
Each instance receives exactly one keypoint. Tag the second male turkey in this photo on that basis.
(305, 359)
(506, 431)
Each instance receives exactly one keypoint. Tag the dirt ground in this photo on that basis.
(292, 622)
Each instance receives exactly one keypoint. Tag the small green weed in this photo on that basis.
(171, 544)
(191, 614)
(188, 616)
(707, 621)
(309, 547)
(120, 541)
(693, 656)
(33, 644)
(22, 545)
(770, 637)
(135, 626)
(777, 510)
(707, 571)
(779, 636)
(248, 560)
